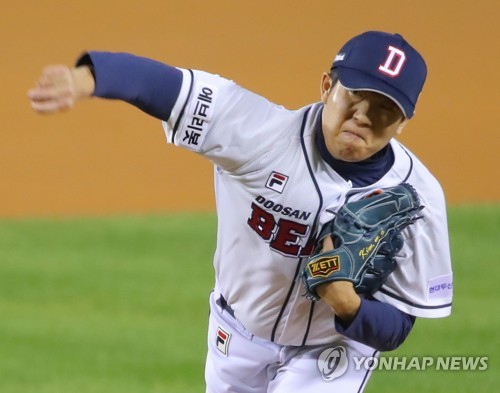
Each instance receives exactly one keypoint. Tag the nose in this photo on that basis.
(361, 113)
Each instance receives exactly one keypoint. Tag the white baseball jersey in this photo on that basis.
(274, 191)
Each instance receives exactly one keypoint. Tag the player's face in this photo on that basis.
(357, 124)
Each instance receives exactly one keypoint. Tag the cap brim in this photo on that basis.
(356, 80)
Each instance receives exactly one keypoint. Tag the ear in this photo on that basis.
(326, 86)
(402, 126)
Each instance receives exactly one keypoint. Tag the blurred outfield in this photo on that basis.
(120, 305)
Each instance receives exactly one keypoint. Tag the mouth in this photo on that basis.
(353, 134)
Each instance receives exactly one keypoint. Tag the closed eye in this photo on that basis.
(389, 107)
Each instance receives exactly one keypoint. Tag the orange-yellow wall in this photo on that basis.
(107, 157)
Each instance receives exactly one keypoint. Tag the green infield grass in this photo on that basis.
(91, 305)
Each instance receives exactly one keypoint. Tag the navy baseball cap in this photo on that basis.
(384, 63)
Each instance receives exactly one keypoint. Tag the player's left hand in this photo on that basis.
(339, 295)
(367, 236)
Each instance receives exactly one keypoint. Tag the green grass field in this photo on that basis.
(120, 305)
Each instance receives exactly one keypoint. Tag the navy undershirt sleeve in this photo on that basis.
(147, 84)
(378, 325)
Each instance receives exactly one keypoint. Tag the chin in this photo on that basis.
(349, 151)
(352, 156)
(354, 159)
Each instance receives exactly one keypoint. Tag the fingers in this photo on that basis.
(328, 244)
(47, 93)
(52, 106)
(46, 100)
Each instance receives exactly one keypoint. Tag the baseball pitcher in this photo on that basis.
(332, 236)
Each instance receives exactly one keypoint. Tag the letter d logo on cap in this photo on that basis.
(394, 62)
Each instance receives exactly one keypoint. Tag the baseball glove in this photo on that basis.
(366, 235)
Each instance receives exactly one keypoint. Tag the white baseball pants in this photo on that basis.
(239, 362)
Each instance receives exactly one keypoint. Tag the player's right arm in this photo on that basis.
(201, 112)
(60, 87)
(147, 84)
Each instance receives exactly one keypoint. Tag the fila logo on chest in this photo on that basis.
(277, 182)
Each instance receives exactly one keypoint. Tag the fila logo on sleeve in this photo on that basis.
(277, 182)
(394, 62)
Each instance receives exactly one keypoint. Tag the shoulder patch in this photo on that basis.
(198, 116)
(440, 287)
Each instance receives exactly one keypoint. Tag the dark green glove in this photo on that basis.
(366, 236)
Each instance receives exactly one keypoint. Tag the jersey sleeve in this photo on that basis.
(222, 121)
(422, 284)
